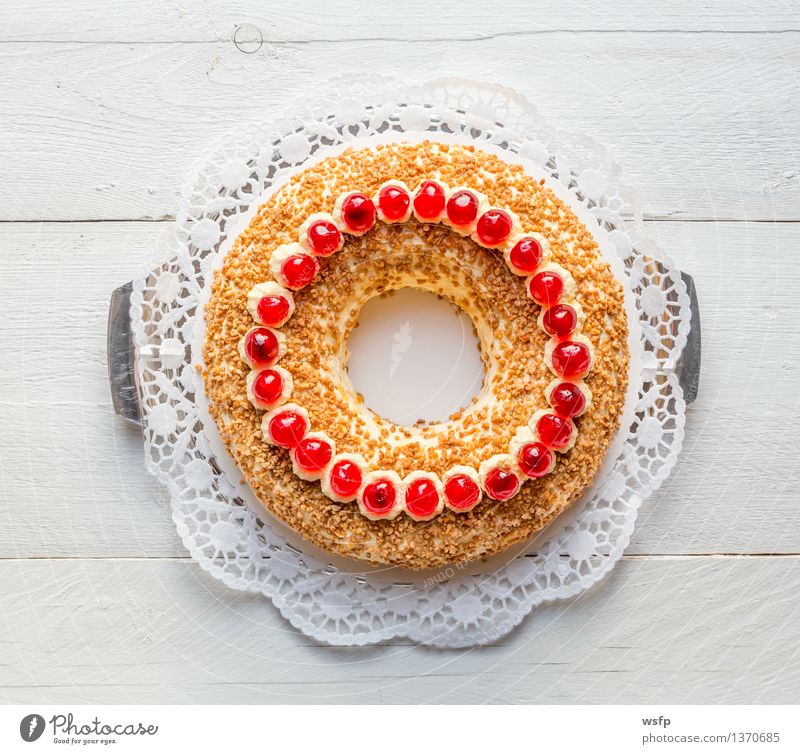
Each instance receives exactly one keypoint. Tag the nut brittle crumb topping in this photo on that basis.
(453, 266)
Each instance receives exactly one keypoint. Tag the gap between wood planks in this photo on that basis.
(403, 40)
(189, 559)
(645, 218)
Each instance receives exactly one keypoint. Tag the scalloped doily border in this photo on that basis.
(446, 615)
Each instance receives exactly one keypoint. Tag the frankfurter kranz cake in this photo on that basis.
(493, 241)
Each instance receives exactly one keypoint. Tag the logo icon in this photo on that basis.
(402, 342)
(31, 727)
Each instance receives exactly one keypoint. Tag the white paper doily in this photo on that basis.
(339, 601)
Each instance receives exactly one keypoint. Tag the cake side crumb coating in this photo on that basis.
(477, 280)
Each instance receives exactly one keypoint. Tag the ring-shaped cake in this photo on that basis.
(485, 236)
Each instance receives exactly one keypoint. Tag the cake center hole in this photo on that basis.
(415, 357)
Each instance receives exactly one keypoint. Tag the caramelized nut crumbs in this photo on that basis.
(454, 267)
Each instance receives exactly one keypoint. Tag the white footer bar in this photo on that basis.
(402, 729)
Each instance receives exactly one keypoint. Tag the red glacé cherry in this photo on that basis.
(560, 320)
(299, 270)
(546, 288)
(494, 227)
(462, 208)
(346, 478)
(567, 399)
(324, 238)
(461, 491)
(261, 346)
(273, 310)
(571, 359)
(534, 460)
(287, 428)
(379, 497)
(526, 254)
(268, 386)
(313, 453)
(501, 484)
(393, 202)
(554, 431)
(429, 200)
(422, 498)
(358, 213)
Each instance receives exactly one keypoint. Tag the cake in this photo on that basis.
(493, 241)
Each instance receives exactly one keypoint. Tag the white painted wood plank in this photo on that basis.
(72, 480)
(312, 20)
(71, 472)
(705, 123)
(737, 482)
(698, 630)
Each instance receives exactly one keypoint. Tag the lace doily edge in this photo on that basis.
(452, 640)
(389, 633)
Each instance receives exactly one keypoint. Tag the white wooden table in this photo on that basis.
(102, 109)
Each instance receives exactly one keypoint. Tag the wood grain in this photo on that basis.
(705, 123)
(710, 630)
(212, 20)
(74, 482)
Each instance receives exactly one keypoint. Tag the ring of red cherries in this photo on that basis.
(345, 477)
